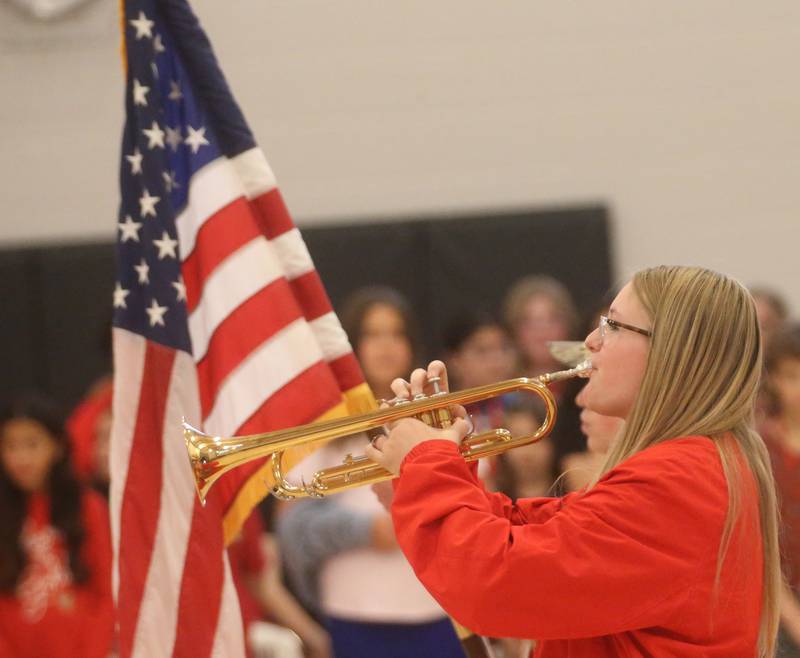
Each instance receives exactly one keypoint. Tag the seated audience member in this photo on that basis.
(480, 352)
(340, 553)
(55, 548)
(275, 623)
(771, 309)
(581, 467)
(91, 414)
(539, 309)
(89, 428)
(528, 471)
(781, 433)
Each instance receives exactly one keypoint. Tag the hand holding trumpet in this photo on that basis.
(390, 450)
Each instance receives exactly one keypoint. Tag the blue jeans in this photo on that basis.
(352, 639)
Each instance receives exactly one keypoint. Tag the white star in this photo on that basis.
(158, 44)
(119, 296)
(174, 137)
(130, 229)
(143, 270)
(169, 180)
(180, 288)
(196, 138)
(166, 246)
(139, 93)
(147, 204)
(155, 136)
(143, 25)
(135, 160)
(175, 93)
(156, 313)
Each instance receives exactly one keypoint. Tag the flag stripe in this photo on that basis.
(306, 397)
(292, 254)
(240, 277)
(159, 606)
(212, 188)
(140, 502)
(311, 295)
(268, 369)
(273, 217)
(227, 638)
(129, 351)
(347, 371)
(330, 336)
(255, 173)
(203, 573)
(220, 236)
(264, 314)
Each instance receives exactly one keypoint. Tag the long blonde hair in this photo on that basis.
(702, 378)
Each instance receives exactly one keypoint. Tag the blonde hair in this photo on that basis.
(702, 378)
(533, 286)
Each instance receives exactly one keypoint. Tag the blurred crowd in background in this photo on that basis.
(323, 578)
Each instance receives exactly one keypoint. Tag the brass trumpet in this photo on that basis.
(212, 456)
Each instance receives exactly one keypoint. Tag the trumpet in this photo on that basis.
(213, 456)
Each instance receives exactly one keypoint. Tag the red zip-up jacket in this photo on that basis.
(627, 569)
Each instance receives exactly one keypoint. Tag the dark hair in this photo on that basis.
(465, 324)
(63, 489)
(785, 344)
(358, 304)
(505, 478)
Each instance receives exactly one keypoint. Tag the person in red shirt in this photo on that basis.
(781, 432)
(672, 550)
(55, 548)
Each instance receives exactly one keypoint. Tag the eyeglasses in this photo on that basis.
(607, 324)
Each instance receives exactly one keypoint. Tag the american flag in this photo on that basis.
(219, 316)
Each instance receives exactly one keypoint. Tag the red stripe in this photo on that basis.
(201, 587)
(141, 498)
(221, 235)
(311, 295)
(304, 399)
(347, 371)
(271, 213)
(261, 316)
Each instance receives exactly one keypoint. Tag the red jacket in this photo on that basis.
(50, 615)
(627, 569)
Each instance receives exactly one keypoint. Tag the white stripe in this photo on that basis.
(293, 254)
(254, 172)
(330, 336)
(211, 188)
(158, 614)
(129, 351)
(267, 369)
(249, 269)
(229, 638)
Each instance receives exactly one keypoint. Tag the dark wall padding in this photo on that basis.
(57, 300)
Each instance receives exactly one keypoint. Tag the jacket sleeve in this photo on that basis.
(619, 557)
(97, 551)
(524, 510)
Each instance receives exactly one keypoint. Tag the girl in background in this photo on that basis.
(55, 546)
(340, 552)
(781, 432)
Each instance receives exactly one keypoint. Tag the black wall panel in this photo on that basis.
(56, 301)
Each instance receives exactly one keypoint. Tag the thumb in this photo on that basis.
(461, 427)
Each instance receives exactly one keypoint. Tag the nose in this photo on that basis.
(593, 341)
